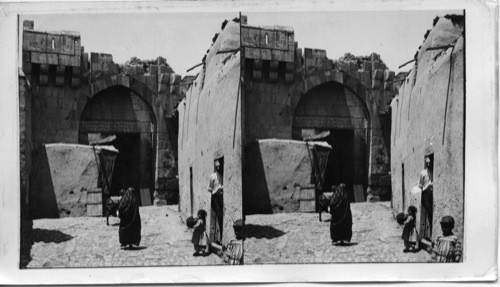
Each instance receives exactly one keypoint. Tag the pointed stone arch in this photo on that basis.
(363, 93)
(162, 153)
(138, 87)
(348, 81)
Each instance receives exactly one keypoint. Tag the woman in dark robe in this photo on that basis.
(130, 219)
(340, 209)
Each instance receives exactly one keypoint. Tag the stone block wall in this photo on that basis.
(63, 79)
(54, 64)
(316, 59)
(269, 70)
(378, 80)
(209, 128)
(101, 65)
(272, 83)
(161, 79)
(429, 111)
(54, 56)
(54, 116)
(130, 114)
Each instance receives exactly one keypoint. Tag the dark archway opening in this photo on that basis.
(340, 164)
(124, 176)
(117, 116)
(330, 112)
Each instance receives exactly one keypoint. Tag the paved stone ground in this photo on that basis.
(278, 238)
(89, 242)
(302, 238)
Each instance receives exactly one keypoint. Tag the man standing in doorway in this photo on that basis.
(426, 185)
(215, 188)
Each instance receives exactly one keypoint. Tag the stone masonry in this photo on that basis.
(252, 81)
(278, 75)
(59, 80)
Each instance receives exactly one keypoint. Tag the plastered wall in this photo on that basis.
(209, 128)
(429, 111)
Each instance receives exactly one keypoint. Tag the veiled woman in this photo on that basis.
(340, 209)
(130, 220)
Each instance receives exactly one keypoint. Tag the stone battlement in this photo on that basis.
(56, 58)
(269, 52)
(271, 55)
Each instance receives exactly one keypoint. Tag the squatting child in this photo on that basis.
(447, 247)
(233, 251)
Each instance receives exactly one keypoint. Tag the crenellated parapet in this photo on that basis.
(57, 60)
(269, 53)
(272, 56)
(52, 58)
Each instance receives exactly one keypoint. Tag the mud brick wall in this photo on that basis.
(210, 127)
(429, 111)
(278, 170)
(65, 172)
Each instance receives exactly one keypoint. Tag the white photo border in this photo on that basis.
(481, 155)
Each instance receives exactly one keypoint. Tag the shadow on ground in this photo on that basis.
(29, 236)
(48, 236)
(262, 231)
(135, 248)
(345, 244)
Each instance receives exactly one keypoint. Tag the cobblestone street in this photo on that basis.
(278, 238)
(302, 238)
(88, 242)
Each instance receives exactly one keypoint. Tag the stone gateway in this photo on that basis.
(68, 97)
(258, 88)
